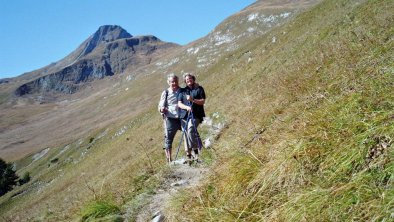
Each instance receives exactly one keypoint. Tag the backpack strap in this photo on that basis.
(165, 100)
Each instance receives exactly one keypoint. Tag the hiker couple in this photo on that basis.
(182, 109)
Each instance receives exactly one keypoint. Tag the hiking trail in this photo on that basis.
(181, 176)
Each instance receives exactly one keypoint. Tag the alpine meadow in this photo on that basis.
(299, 127)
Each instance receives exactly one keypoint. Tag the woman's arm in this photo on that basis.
(200, 102)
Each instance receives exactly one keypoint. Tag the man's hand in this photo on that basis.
(163, 110)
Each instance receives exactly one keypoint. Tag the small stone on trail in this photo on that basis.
(179, 183)
(158, 217)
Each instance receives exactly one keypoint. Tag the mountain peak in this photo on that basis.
(110, 33)
(105, 33)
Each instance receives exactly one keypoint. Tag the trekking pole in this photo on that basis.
(184, 129)
(196, 132)
(165, 134)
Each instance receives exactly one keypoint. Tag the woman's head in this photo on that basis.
(189, 79)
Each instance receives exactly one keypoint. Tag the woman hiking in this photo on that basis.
(191, 102)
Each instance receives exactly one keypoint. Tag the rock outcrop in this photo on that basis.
(68, 79)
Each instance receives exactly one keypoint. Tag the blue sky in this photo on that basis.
(35, 33)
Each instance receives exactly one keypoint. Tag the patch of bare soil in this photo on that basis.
(182, 176)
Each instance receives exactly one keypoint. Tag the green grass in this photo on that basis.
(3, 98)
(99, 209)
(310, 109)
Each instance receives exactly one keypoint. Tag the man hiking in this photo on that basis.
(191, 102)
(168, 107)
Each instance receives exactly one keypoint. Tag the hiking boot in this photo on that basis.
(196, 156)
(188, 160)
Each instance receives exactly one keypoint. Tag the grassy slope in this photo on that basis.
(301, 116)
(305, 116)
(117, 163)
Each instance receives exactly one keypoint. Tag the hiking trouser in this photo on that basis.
(171, 126)
(192, 135)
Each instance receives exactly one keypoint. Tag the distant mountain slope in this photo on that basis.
(230, 35)
(109, 51)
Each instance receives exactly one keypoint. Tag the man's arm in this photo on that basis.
(183, 106)
(161, 107)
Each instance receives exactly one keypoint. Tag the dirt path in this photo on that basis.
(182, 176)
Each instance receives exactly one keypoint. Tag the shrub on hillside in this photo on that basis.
(25, 178)
(8, 178)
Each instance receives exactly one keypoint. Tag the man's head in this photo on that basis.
(172, 81)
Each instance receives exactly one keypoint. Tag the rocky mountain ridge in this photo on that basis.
(109, 51)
